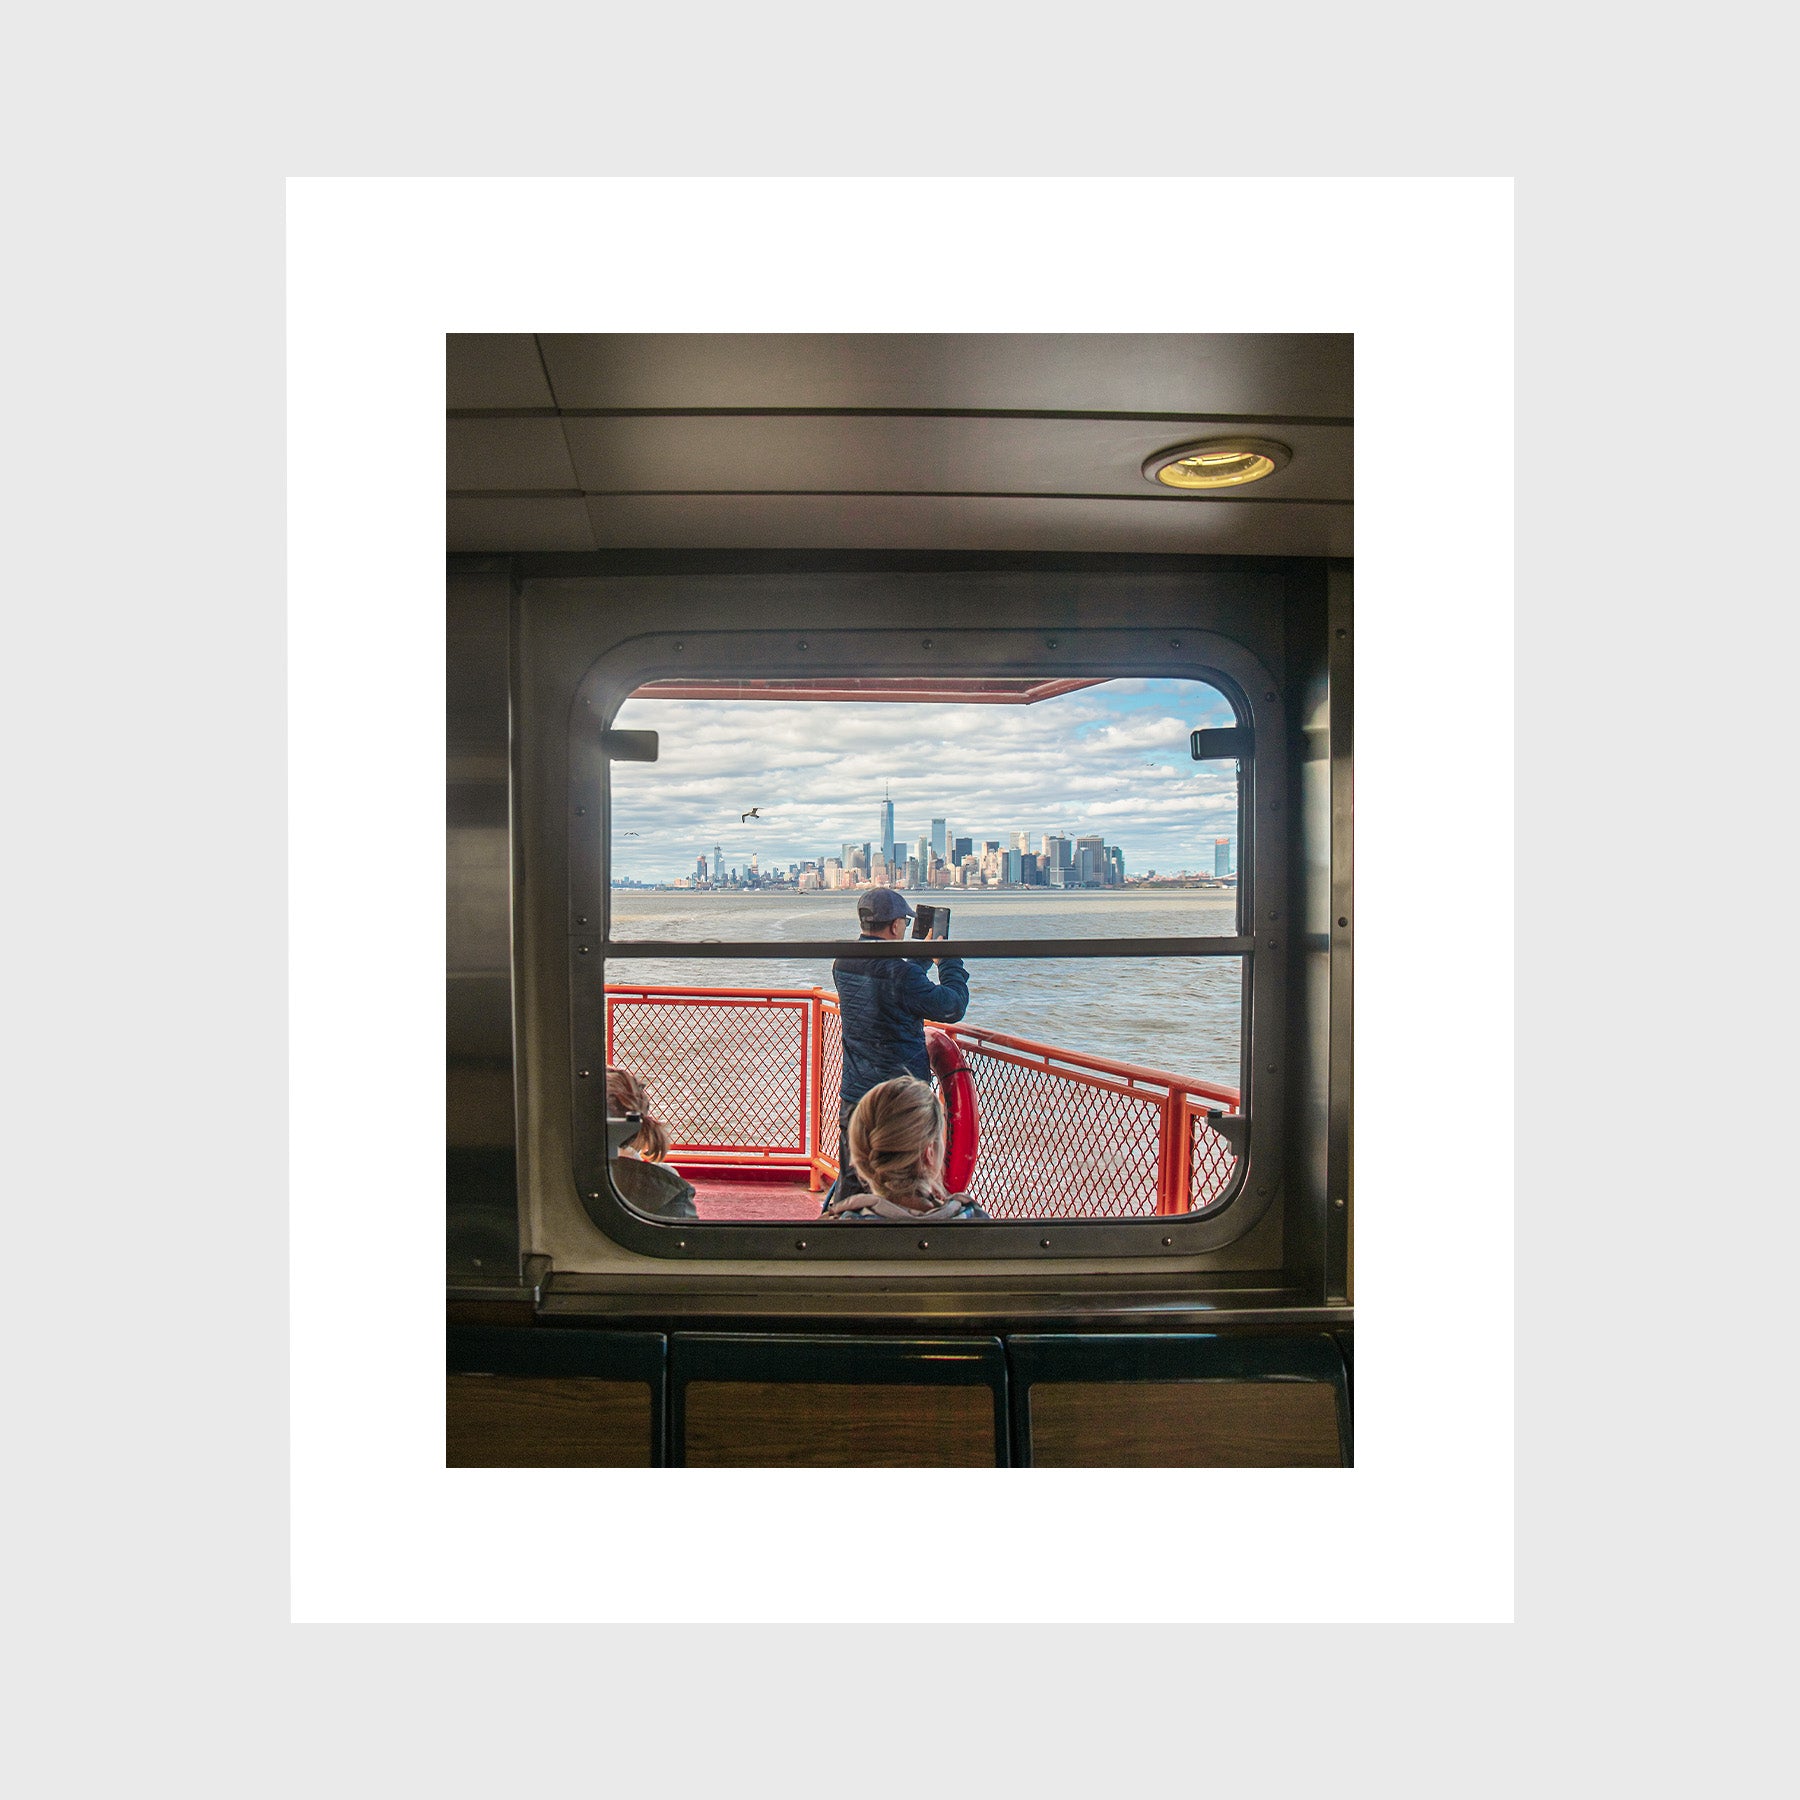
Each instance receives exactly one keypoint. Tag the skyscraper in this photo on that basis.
(939, 836)
(1221, 856)
(886, 832)
(718, 863)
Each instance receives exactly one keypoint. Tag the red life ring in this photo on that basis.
(956, 1089)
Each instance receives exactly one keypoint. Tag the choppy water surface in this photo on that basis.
(1177, 1014)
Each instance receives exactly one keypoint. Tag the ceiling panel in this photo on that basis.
(508, 453)
(1284, 375)
(494, 369)
(519, 525)
(930, 455)
(890, 522)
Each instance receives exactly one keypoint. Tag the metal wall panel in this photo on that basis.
(480, 1125)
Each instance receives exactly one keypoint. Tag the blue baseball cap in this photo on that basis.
(882, 906)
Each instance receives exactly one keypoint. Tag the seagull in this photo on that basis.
(631, 834)
(751, 814)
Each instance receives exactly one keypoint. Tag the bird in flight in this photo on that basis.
(751, 814)
(631, 834)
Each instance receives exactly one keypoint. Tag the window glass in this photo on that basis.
(1092, 1079)
(1033, 809)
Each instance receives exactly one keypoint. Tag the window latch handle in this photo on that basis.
(1237, 741)
(629, 746)
(620, 1132)
(1234, 1128)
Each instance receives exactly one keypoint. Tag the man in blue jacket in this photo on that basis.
(884, 1003)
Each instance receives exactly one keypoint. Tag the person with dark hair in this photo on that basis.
(883, 1005)
(640, 1173)
(896, 1144)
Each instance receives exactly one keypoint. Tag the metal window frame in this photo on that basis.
(1105, 653)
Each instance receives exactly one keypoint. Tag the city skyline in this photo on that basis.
(1109, 762)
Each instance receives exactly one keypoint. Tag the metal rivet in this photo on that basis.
(581, 949)
(1174, 643)
(1043, 1243)
(804, 645)
(1264, 1188)
(928, 643)
(1051, 643)
(681, 646)
(1339, 1201)
(924, 1243)
(681, 1243)
(1270, 695)
(1342, 923)
(593, 1196)
(1342, 632)
(800, 1244)
(581, 919)
(1274, 915)
(1269, 1068)
(1274, 943)
(581, 1074)
(475, 1261)
(1167, 1242)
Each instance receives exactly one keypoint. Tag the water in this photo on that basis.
(1179, 1014)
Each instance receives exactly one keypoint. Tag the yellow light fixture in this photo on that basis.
(1217, 463)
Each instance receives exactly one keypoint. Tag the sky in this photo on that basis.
(1111, 759)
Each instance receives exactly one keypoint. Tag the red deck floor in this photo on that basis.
(722, 1197)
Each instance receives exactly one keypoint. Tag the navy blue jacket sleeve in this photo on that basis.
(945, 1000)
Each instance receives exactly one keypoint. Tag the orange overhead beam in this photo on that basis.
(950, 690)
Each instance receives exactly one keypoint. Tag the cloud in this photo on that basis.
(1112, 759)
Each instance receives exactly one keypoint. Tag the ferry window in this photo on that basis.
(1030, 808)
(1050, 816)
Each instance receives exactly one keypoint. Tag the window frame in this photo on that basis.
(1264, 910)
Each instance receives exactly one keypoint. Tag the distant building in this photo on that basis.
(700, 868)
(1115, 858)
(939, 842)
(961, 848)
(885, 833)
(1088, 868)
(1221, 856)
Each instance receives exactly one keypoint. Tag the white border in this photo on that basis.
(1421, 271)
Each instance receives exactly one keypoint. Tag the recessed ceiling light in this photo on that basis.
(1217, 463)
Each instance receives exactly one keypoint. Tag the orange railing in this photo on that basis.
(747, 1078)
